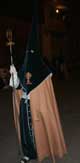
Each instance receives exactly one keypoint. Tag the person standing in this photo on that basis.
(35, 108)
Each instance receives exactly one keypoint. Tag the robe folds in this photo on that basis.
(46, 123)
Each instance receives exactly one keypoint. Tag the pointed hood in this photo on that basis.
(33, 62)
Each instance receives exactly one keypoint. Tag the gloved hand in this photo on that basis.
(14, 80)
(13, 69)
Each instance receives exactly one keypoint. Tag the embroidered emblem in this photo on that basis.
(28, 78)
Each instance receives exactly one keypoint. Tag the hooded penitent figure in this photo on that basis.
(35, 109)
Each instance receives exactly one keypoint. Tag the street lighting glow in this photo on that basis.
(57, 11)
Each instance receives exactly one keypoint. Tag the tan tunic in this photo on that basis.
(46, 122)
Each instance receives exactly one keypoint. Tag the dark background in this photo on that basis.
(21, 14)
